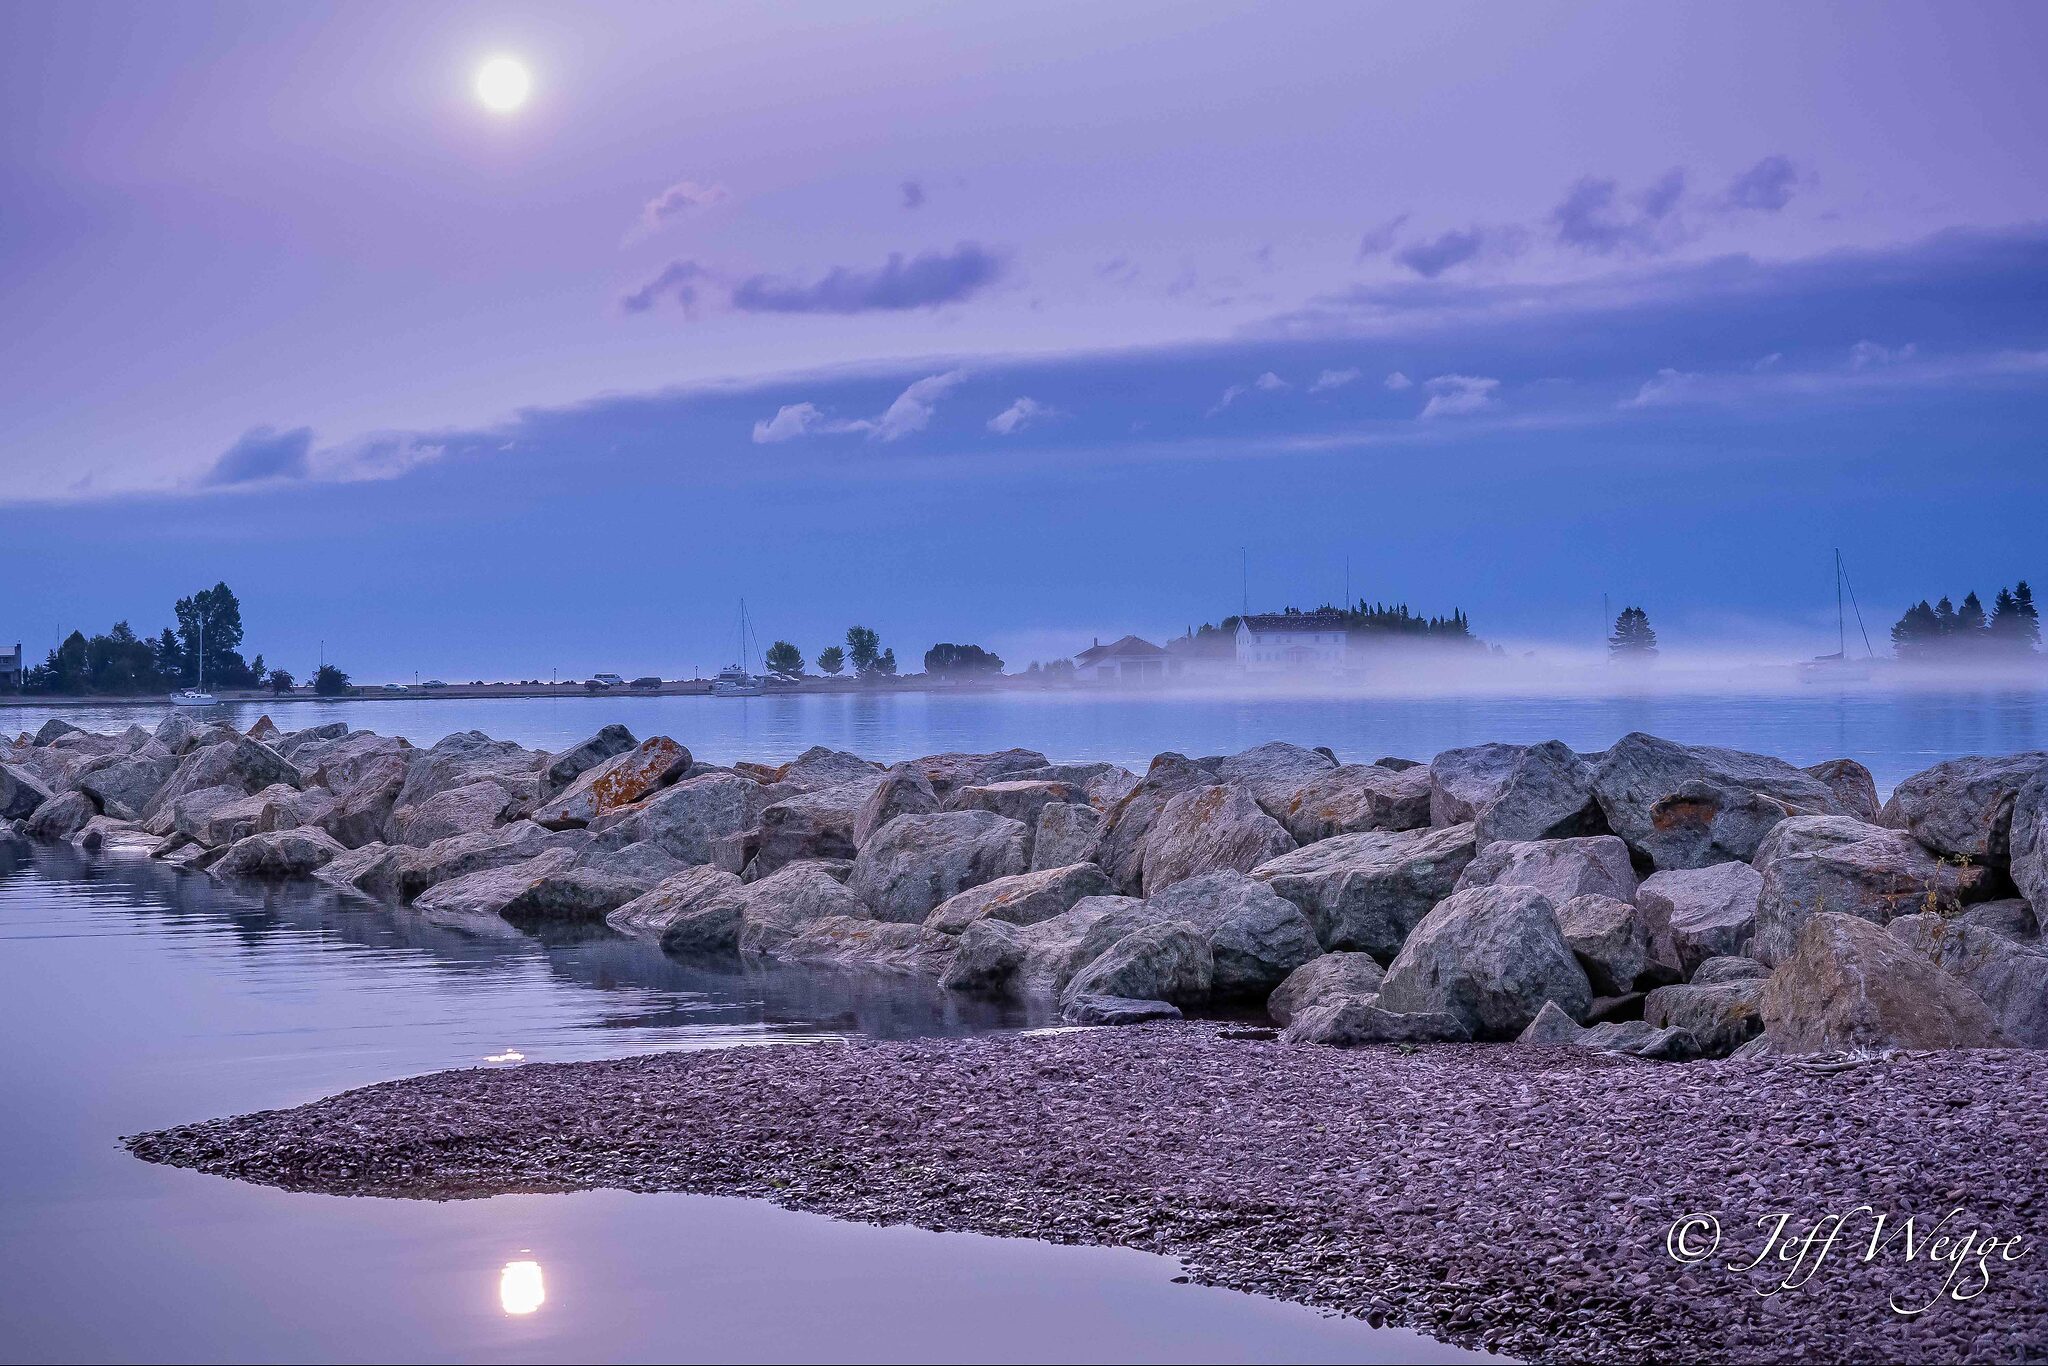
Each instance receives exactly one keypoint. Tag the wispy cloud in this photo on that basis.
(1270, 383)
(1456, 395)
(678, 201)
(1666, 386)
(680, 281)
(791, 421)
(1333, 379)
(1018, 416)
(911, 412)
(1765, 187)
(1378, 241)
(1433, 257)
(926, 280)
(1398, 381)
(1595, 217)
(261, 455)
(1865, 355)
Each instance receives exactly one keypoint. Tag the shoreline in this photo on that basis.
(1516, 1199)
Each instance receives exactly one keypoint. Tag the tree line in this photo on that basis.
(864, 653)
(1944, 631)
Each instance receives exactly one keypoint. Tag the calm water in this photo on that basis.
(133, 996)
(1893, 732)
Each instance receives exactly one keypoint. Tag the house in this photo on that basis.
(1129, 660)
(10, 668)
(1270, 643)
(1207, 655)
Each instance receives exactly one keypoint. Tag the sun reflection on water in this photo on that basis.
(520, 1288)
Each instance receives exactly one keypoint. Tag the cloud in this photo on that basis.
(910, 412)
(1865, 355)
(1380, 240)
(1398, 381)
(913, 194)
(1230, 396)
(1592, 216)
(1270, 383)
(1666, 386)
(1432, 258)
(1765, 187)
(1332, 379)
(1018, 416)
(1121, 269)
(678, 201)
(262, 454)
(1454, 395)
(679, 280)
(926, 280)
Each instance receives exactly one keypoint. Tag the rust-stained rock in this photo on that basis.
(616, 783)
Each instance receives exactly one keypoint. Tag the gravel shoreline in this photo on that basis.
(1512, 1198)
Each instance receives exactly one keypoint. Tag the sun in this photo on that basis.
(503, 84)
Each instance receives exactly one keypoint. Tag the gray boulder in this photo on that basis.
(1695, 914)
(1491, 956)
(1686, 806)
(1464, 781)
(948, 773)
(1812, 864)
(1629, 1038)
(1356, 797)
(1366, 891)
(1020, 898)
(55, 729)
(278, 854)
(1087, 1009)
(2010, 917)
(1591, 865)
(1273, 772)
(1206, 829)
(1356, 1021)
(1166, 961)
(415, 870)
(991, 954)
(21, 792)
(1322, 980)
(238, 762)
(61, 817)
(457, 811)
(1067, 832)
(649, 915)
(566, 766)
(124, 785)
(1128, 823)
(903, 791)
(488, 891)
(852, 942)
(1256, 937)
(688, 819)
(2012, 978)
(912, 864)
(1850, 985)
(615, 784)
(1855, 790)
(2028, 843)
(811, 825)
(369, 869)
(572, 894)
(789, 901)
(1609, 939)
(1105, 784)
(1721, 1015)
(1020, 800)
(467, 757)
(643, 861)
(821, 767)
(1547, 795)
(1056, 949)
(1965, 806)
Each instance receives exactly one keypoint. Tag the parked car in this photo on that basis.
(433, 683)
(609, 680)
(648, 684)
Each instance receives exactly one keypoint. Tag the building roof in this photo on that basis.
(1295, 621)
(1130, 647)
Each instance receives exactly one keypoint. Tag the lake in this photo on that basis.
(133, 996)
(1892, 731)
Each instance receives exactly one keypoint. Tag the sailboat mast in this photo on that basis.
(202, 653)
(1841, 632)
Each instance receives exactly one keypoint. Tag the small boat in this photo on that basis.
(1838, 667)
(197, 695)
(736, 680)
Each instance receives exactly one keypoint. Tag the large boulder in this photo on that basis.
(1324, 979)
(457, 811)
(1128, 823)
(789, 901)
(2028, 844)
(948, 773)
(55, 729)
(995, 956)
(1686, 806)
(903, 791)
(21, 792)
(1490, 956)
(278, 854)
(987, 962)
(124, 785)
(415, 870)
(1547, 795)
(1355, 1021)
(1721, 1015)
(365, 772)
(1273, 772)
(811, 825)
(1591, 865)
(61, 817)
(820, 767)
(1088, 1009)
(566, 766)
(2009, 916)
(1166, 961)
(369, 869)
(1204, 829)
(649, 915)
(687, 819)
(885, 946)
(1355, 797)
(238, 762)
(1849, 985)
(1019, 799)
(1964, 807)
(1609, 939)
(467, 757)
(2012, 978)
(1855, 790)
(1021, 898)
(1629, 1038)
(1104, 783)
(1256, 937)
(1464, 781)
(1812, 864)
(644, 861)
(614, 784)
(914, 863)
(1067, 832)
(488, 891)
(1366, 891)
(572, 894)
(1695, 914)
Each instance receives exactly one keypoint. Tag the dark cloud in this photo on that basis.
(679, 280)
(913, 194)
(263, 453)
(926, 280)
(1432, 258)
(1661, 198)
(1380, 240)
(1594, 217)
(1766, 186)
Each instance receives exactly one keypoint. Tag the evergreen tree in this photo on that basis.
(831, 660)
(948, 660)
(1970, 622)
(1918, 633)
(863, 649)
(1632, 639)
(329, 681)
(223, 613)
(1944, 618)
(785, 659)
(886, 665)
(2028, 630)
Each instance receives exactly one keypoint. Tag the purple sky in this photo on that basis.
(256, 254)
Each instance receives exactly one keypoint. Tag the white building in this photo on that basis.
(1129, 660)
(1292, 643)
